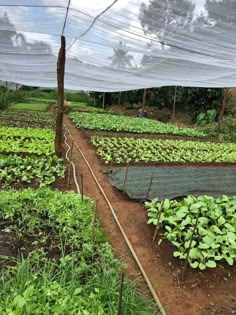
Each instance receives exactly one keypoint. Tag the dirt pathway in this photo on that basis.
(202, 293)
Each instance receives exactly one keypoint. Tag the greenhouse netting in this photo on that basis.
(115, 45)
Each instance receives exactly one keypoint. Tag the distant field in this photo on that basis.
(44, 100)
(26, 106)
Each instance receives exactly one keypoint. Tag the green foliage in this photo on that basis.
(227, 131)
(19, 140)
(199, 100)
(37, 287)
(206, 118)
(51, 95)
(18, 169)
(77, 106)
(27, 106)
(66, 216)
(25, 119)
(40, 94)
(65, 272)
(122, 150)
(95, 121)
(81, 97)
(8, 96)
(214, 239)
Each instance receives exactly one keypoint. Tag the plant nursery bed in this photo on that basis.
(209, 292)
(90, 133)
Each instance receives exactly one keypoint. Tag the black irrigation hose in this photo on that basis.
(148, 282)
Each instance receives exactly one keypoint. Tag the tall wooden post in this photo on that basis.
(174, 102)
(60, 100)
(224, 104)
(144, 98)
(103, 100)
(119, 98)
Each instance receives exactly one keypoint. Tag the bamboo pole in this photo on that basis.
(60, 100)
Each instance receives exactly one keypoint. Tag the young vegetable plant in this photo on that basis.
(18, 169)
(215, 237)
(122, 150)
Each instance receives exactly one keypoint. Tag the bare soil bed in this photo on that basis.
(200, 293)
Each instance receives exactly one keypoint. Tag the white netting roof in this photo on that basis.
(132, 43)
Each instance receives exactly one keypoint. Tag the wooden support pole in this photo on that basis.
(223, 106)
(82, 187)
(174, 103)
(144, 98)
(68, 175)
(149, 188)
(126, 175)
(119, 98)
(94, 221)
(69, 166)
(120, 293)
(103, 100)
(60, 100)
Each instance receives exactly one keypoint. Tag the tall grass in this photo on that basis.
(8, 97)
(39, 286)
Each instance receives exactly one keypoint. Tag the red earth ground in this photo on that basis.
(199, 293)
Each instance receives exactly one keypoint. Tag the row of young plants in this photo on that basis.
(202, 229)
(127, 149)
(26, 133)
(30, 169)
(119, 123)
(26, 119)
(61, 268)
(30, 140)
(23, 145)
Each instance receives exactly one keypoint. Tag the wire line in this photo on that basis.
(67, 11)
(95, 19)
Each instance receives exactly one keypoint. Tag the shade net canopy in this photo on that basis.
(115, 45)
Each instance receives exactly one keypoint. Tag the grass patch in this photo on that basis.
(27, 106)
